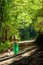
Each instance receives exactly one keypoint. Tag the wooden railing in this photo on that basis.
(25, 42)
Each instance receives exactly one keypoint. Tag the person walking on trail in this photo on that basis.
(15, 46)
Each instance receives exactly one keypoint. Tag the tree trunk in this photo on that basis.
(39, 40)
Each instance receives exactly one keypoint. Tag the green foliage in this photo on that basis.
(39, 24)
(27, 33)
(16, 14)
(5, 46)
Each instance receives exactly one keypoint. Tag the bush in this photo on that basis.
(27, 33)
(5, 46)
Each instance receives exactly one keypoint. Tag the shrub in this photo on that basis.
(5, 46)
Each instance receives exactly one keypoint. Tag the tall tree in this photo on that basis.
(16, 14)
